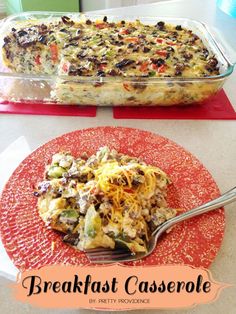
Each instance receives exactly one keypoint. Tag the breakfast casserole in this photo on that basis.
(105, 200)
(122, 58)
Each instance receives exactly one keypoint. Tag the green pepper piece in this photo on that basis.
(56, 172)
(71, 213)
(93, 222)
(132, 246)
(121, 244)
(152, 73)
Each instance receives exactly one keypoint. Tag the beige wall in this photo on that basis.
(2, 6)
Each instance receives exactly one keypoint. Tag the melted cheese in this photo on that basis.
(110, 178)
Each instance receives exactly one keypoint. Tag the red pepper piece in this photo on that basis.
(161, 69)
(162, 53)
(129, 190)
(144, 67)
(65, 67)
(38, 60)
(124, 31)
(159, 40)
(54, 52)
(126, 86)
(134, 40)
(101, 25)
(154, 67)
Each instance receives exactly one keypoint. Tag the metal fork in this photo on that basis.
(103, 256)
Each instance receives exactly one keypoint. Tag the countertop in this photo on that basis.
(213, 142)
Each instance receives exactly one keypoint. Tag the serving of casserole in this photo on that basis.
(107, 199)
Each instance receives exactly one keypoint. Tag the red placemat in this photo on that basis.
(46, 109)
(217, 108)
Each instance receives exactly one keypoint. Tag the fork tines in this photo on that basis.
(99, 255)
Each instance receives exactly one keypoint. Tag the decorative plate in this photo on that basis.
(30, 244)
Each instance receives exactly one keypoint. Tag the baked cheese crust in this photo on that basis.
(103, 48)
(124, 50)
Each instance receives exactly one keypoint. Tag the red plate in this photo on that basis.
(196, 242)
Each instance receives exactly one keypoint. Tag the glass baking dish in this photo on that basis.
(111, 91)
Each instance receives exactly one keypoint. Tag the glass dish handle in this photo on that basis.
(2, 21)
(227, 50)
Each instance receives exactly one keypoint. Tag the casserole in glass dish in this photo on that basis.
(109, 90)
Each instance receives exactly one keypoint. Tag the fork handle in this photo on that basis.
(222, 200)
